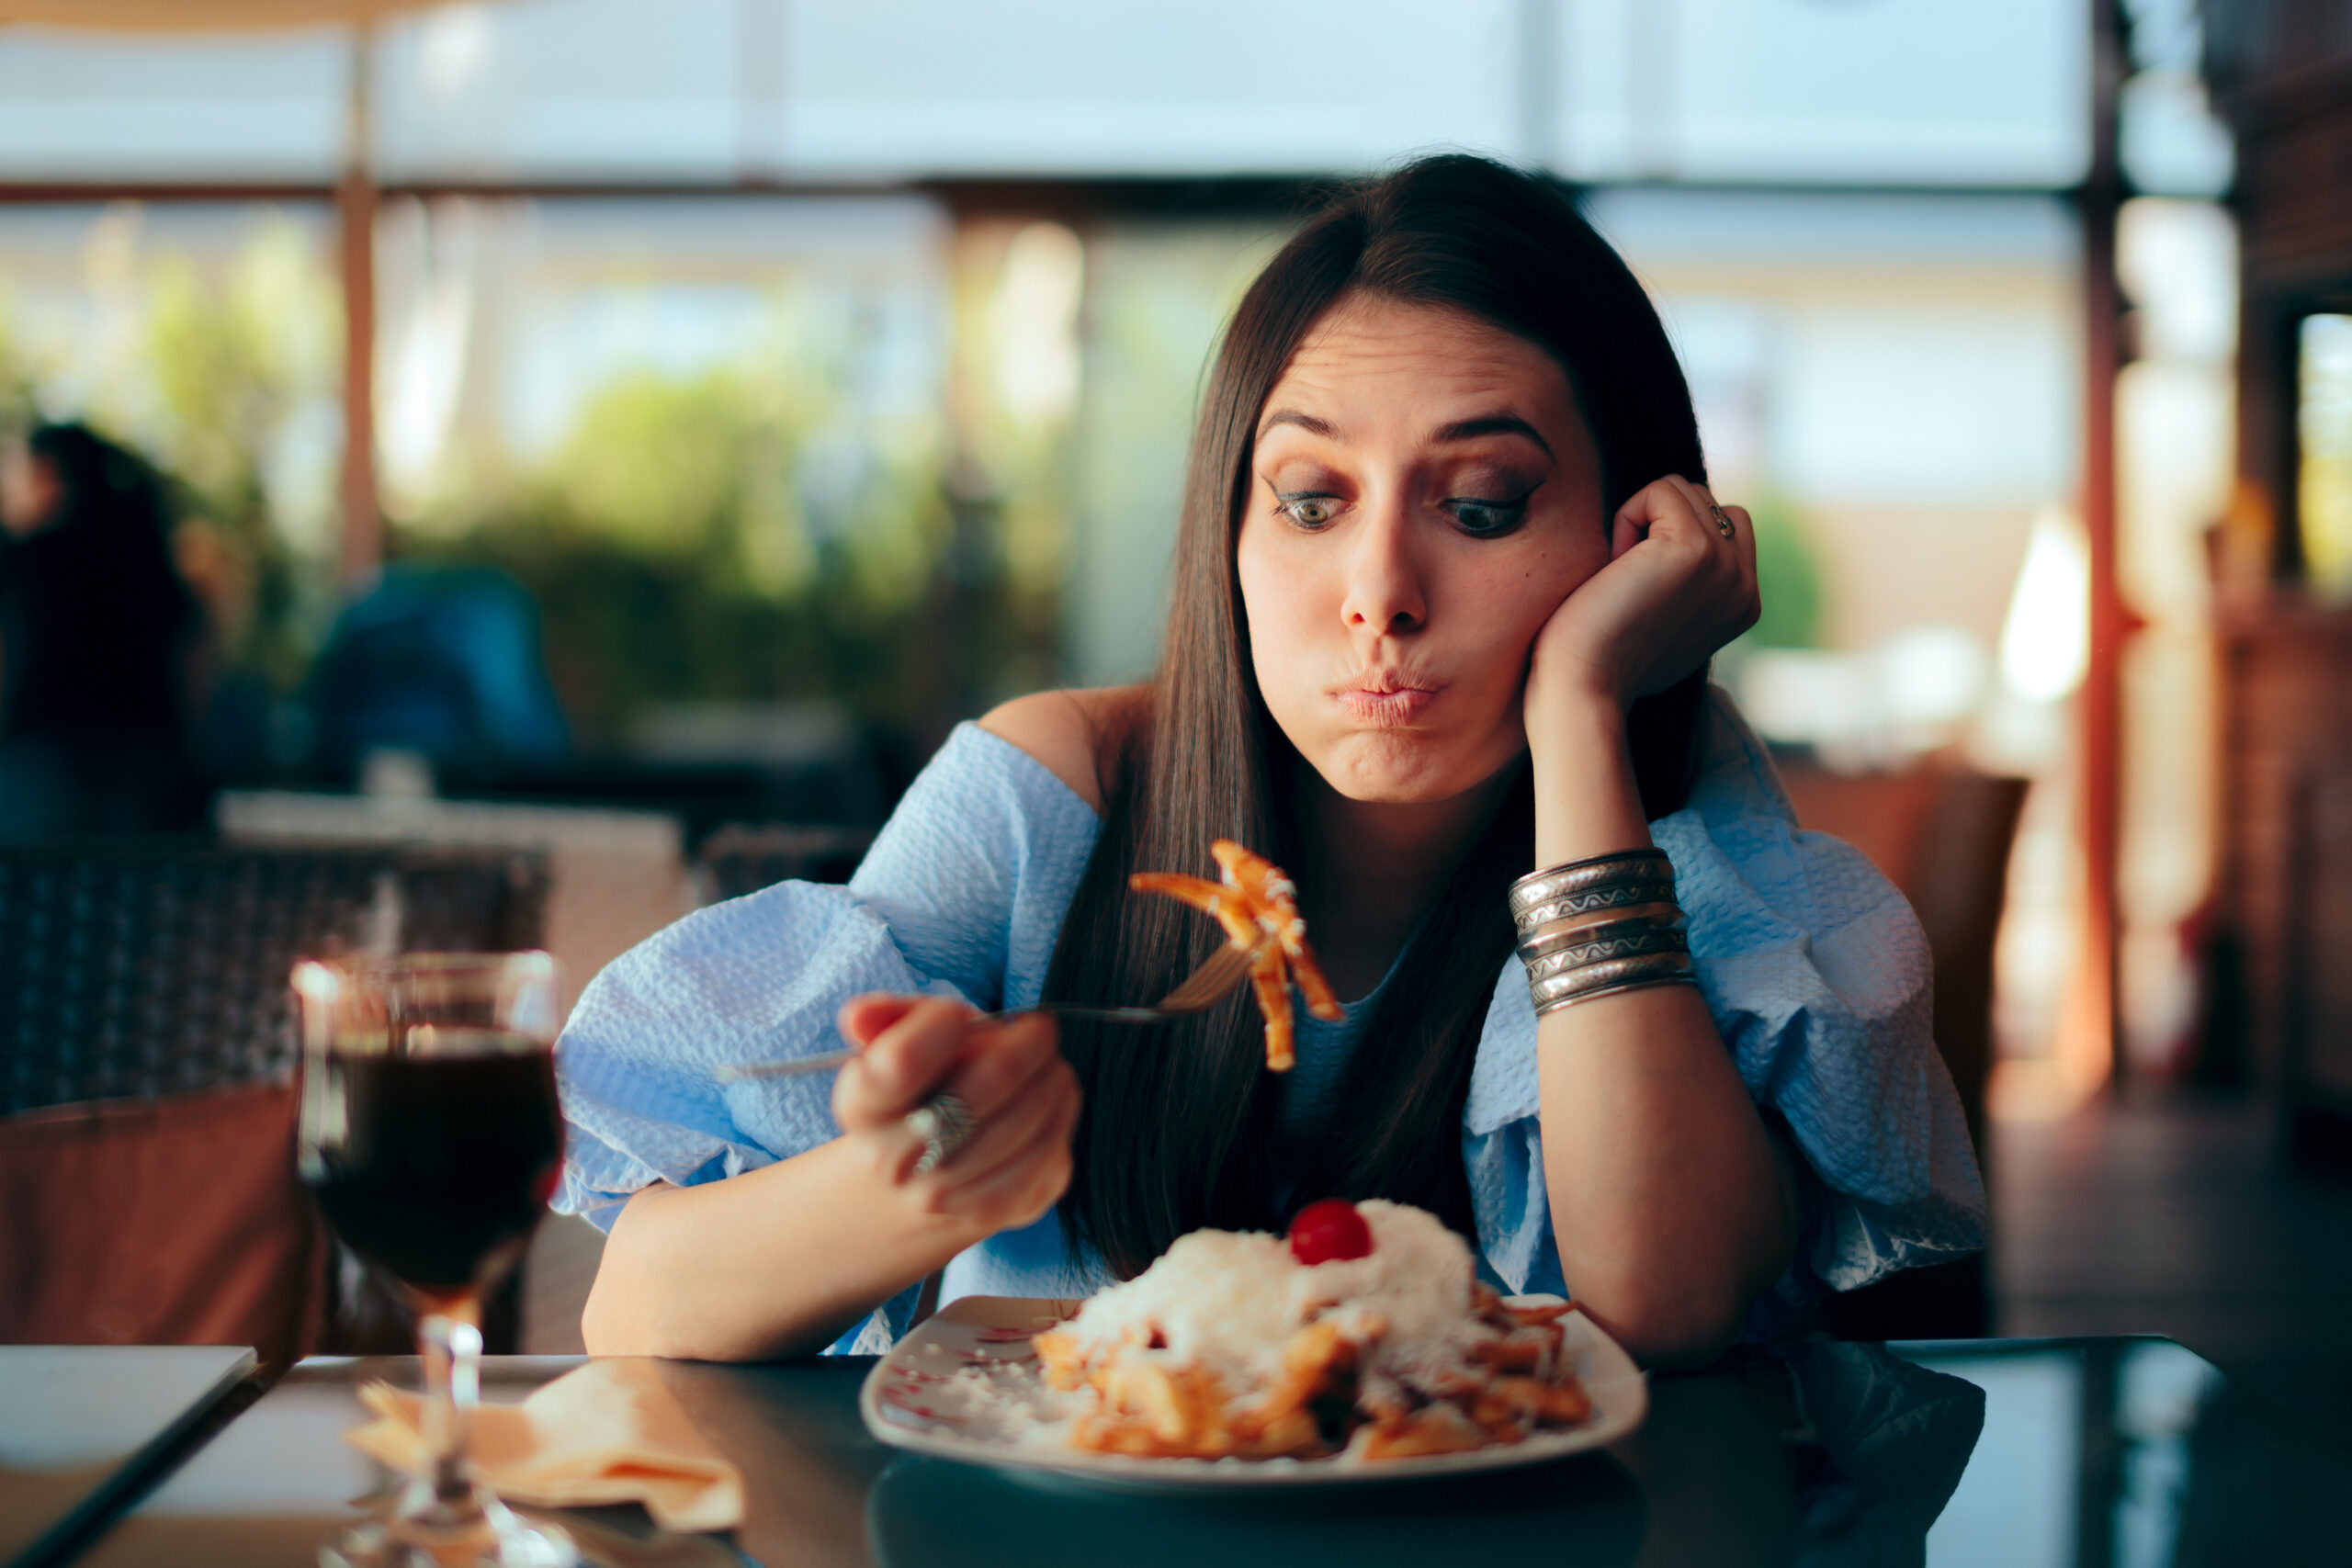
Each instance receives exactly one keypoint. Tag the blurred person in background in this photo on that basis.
(98, 643)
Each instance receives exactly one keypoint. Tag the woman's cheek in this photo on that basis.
(1271, 620)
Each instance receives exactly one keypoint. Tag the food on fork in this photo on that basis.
(1364, 1332)
(1257, 907)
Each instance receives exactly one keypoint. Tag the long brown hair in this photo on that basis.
(1177, 1132)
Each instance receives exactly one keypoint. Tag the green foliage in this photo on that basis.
(660, 467)
(1788, 578)
(16, 380)
(229, 364)
(229, 368)
(623, 628)
(676, 554)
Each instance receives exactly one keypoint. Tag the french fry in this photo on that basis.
(1540, 1312)
(1226, 906)
(1145, 1389)
(1257, 906)
(1273, 985)
(1565, 1403)
(1519, 1352)
(1062, 1360)
(1181, 1407)
(1500, 1408)
(1294, 1434)
(1434, 1429)
(1273, 897)
(1318, 1359)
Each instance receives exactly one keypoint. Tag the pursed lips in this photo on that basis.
(1386, 699)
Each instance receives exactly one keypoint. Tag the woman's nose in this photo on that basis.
(1385, 590)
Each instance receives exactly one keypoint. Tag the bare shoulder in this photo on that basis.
(1065, 731)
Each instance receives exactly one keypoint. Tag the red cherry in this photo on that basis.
(1329, 1231)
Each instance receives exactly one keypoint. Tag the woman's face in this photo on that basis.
(1424, 494)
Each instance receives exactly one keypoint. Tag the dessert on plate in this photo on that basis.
(1364, 1332)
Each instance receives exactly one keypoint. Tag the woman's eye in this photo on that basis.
(1485, 519)
(1308, 510)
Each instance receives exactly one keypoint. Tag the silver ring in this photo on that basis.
(945, 1124)
(1722, 524)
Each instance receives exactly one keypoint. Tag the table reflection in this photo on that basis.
(1814, 1454)
(2131, 1452)
(1818, 1454)
(2092, 1452)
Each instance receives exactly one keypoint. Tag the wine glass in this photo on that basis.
(431, 1136)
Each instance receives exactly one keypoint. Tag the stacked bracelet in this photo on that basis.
(1606, 979)
(1603, 884)
(1594, 928)
(1570, 948)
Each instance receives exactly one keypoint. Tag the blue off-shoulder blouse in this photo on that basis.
(1811, 962)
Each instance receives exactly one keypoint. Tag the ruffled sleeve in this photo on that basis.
(1818, 977)
(962, 894)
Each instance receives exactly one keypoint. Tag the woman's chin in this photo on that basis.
(1399, 767)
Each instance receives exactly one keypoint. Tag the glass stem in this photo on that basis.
(452, 1347)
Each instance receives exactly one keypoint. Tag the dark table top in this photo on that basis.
(1996, 1452)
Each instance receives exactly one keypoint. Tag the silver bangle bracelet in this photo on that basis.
(1584, 876)
(1629, 939)
(1609, 971)
(1598, 900)
(1552, 938)
(1610, 974)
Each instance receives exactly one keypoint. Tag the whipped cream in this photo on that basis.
(1230, 1302)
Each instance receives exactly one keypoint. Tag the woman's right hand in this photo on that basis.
(1009, 1072)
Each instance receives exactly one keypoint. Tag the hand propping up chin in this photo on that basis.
(1676, 588)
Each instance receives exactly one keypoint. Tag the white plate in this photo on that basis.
(914, 1399)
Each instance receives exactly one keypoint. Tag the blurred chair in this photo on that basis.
(1942, 836)
(140, 968)
(740, 858)
(147, 1049)
(174, 1220)
(440, 660)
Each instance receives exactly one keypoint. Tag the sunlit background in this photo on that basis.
(823, 372)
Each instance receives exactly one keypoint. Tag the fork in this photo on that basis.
(1207, 984)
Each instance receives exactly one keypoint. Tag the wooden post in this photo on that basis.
(2100, 712)
(362, 544)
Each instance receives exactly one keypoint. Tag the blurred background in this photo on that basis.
(819, 376)
(633, 432)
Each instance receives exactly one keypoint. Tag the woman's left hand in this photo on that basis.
(1675, 590)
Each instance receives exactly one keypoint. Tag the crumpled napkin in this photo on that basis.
(606, 1432)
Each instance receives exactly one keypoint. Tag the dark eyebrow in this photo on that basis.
(1306, 422)
(1493, 424)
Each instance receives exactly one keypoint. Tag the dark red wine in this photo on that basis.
(435, 1166)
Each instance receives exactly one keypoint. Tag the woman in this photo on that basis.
(1446, 583)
